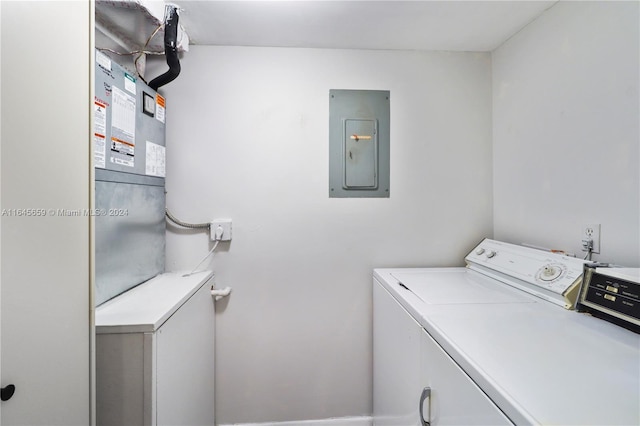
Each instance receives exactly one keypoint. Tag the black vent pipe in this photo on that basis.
(170, 49)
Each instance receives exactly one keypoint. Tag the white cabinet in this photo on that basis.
(407, 360)
(155, 354)
(396, 361)
(454, 398)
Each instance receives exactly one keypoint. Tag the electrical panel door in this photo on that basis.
(358, 143)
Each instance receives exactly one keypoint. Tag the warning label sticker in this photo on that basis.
(155, 164)
(99, 138)
(99, 152)
(160, 108)
(130, 83)
(103, 60)
(123, 128)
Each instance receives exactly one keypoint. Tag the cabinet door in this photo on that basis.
(185, 363)
(45, 186)
(396, 362)
(454, 398)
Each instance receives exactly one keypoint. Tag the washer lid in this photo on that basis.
(452, 287)
(553, 366)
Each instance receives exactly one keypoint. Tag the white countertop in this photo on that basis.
(540, 363)
(146, 307)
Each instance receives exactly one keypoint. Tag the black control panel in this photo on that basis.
(608, 296)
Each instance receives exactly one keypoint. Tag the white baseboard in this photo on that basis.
(338, 421)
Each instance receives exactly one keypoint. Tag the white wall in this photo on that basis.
(566, 130)
(248, 139)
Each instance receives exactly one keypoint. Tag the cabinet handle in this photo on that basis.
(7, 392)
(426, 393)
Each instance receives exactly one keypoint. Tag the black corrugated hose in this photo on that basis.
(170, 49)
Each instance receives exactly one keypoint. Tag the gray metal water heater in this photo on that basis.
(129, 159)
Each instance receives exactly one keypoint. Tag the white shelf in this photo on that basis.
(146, 307)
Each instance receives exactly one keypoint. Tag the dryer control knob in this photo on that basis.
(491, 254)
(479, 251)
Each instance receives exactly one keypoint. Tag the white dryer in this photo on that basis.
(498, 342)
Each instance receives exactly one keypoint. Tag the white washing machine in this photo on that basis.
(498, 342)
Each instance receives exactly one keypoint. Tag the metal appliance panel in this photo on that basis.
(129, 158)
(130, 236)
(117, 91)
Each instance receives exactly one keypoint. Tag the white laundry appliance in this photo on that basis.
(498, 342)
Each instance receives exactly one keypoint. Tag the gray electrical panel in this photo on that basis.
(129, 159)
(359, 143)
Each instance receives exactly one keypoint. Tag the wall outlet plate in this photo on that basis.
(220, 225)
(591, 232)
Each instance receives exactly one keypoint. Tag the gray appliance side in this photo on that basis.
(129, 186)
